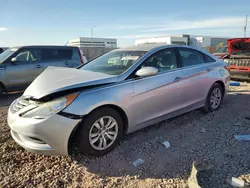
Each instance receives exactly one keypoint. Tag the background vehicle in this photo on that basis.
(117, 93)
(83, 57)
(19, 66)
(221, 52)
(239, 58)
(2, 49)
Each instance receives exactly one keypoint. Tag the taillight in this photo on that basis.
(80, 54)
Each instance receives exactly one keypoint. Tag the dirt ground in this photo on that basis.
(192, 136)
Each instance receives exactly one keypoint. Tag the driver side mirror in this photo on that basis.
(146, 71)
(14, 60)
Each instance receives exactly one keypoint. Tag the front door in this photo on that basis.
(161, 94)
(24, 68)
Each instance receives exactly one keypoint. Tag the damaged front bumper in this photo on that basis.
(48, 136)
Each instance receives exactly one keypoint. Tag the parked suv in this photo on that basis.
(19, 66)
(2, 49)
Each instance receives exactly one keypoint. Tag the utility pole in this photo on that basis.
(92, 28)
(245, 27)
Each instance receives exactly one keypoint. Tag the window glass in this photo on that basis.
(208, 59)
(114, 63)
(56, 54)
(7, 53)
(190, 57)
(163, 60)
(223, 49)
(28, 55)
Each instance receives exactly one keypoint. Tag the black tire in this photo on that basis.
(83, 131)
(208, 107)
(1, 90)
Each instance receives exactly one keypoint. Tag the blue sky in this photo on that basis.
(56, 21)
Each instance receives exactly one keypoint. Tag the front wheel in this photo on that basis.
(100, 132)
(214, 98)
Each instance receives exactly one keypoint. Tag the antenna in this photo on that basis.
(245, 27)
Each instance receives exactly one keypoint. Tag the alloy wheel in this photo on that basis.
(103, 133)
(215, 98)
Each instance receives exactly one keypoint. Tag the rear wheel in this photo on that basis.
(214, 98)
(100, 132)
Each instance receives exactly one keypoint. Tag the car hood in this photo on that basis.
(57, 79)
(238, 44)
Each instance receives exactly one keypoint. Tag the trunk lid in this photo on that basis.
(57, 79)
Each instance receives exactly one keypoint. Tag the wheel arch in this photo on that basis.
(73, 134)
(3, 86)
(222, 86)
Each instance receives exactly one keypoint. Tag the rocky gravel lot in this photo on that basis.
(192, 136)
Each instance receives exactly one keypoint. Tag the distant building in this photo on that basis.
(163, 40)
(93, 47)
(93, 42)
(207, 42)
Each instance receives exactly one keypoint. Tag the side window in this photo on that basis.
(208, 59)
(163, 60)
(190, 57)
(65, 54)
(56, 54)
(28, 55)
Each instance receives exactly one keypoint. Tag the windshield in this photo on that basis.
(7, 53)
(223, 49)
(114, 62)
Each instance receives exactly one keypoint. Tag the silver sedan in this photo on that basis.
(117, 93)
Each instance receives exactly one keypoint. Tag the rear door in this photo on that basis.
(58, 57)
(196, 67)
(23, 70)
(161, 94)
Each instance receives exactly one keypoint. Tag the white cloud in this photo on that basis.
(3, 29)
(201, 24)
(156, 28)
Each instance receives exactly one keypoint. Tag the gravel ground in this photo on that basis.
(192, 136)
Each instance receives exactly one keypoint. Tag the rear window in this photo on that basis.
(56, 54)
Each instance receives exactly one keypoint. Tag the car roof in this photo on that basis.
(148, 47)
(156, 47)
(44, 46)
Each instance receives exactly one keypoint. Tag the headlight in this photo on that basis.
(49, 108)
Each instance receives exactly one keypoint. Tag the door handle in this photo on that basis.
(66, 63)
(177, 79)
(38, 66)
(209, 69)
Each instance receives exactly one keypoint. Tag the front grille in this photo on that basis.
(239, 62)
(19, 104)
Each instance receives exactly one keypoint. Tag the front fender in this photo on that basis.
(118, 95)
